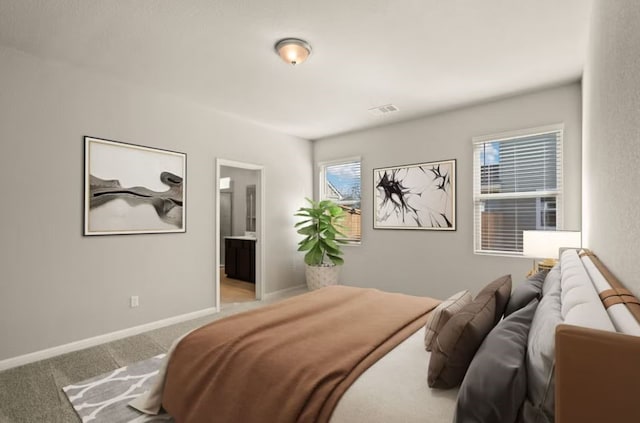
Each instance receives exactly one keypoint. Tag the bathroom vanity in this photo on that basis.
(240, 258)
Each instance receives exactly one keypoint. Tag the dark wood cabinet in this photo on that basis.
(240, 259)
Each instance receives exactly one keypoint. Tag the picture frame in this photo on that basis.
(133, 189)
(417, 196)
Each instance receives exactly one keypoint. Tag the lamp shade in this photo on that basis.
(547, 244)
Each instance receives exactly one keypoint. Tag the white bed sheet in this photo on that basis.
(395, 390)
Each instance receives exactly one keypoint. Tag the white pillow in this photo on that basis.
(619, 314)
(437, 319)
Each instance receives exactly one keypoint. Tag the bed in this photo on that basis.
(493, 358)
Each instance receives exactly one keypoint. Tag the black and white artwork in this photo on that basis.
(419, 196)
(131, 189)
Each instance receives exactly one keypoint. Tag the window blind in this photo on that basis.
(517, 186)
(340, 182)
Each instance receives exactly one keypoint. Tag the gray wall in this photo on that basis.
(58, 286)
(611, 210)
(440, 263)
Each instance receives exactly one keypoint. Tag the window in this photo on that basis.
(517, 180)
(340, 182)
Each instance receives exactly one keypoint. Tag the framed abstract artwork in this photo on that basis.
(132, 189)
(417, 196)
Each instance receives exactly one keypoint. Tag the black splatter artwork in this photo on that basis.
(419, 196)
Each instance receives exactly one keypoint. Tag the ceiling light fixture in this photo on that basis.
(293, 50)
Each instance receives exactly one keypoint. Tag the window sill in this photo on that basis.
(352, 244)
(499, 254)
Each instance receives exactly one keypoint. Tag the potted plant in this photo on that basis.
(321, 230)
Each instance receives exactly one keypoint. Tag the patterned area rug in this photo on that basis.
(104, 398)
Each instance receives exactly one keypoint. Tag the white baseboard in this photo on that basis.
(100, 339)
(270, 295)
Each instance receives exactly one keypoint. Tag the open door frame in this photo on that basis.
(260, 232)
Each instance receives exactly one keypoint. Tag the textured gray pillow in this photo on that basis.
(438, 317)
(525, 292)
(495, 385)
(540, 403)
(459, 339)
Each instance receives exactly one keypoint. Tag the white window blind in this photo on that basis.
(517, 186)
(340, 182)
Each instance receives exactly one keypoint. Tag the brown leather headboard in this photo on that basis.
(597, 376)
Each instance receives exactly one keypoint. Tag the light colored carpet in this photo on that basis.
(33, 393)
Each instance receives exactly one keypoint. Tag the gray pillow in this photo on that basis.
(525, 292)
(540, 403)
(495, 385)
(459, 339)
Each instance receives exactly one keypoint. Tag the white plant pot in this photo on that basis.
(321, 276)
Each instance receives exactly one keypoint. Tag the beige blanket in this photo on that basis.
(289, 362)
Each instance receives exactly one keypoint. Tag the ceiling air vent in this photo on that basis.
(384, 110)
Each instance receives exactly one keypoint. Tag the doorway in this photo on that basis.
(239, 232)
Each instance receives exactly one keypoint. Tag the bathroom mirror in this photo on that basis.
(251, 208)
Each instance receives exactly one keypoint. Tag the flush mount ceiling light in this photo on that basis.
(293, 50)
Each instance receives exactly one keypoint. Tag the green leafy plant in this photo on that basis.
(321, 229)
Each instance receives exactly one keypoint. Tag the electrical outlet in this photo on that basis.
(135, 301)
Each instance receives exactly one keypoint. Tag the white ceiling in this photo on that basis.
(421, 55)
